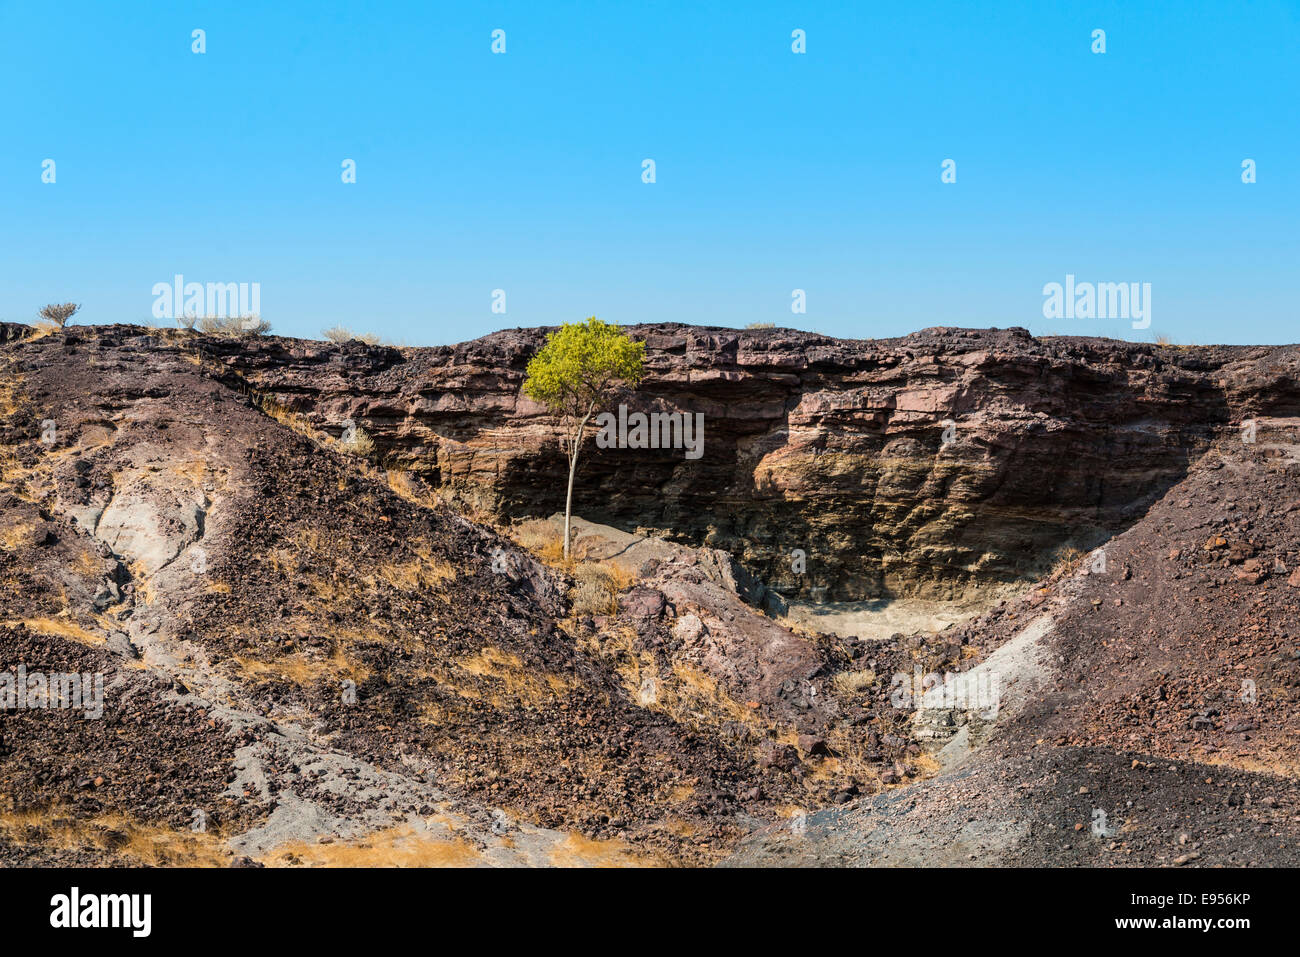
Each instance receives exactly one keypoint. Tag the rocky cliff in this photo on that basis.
(919, 466)
(329, 664)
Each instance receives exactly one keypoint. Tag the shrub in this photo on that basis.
(344, 334)
(542, 539)
(761, 325)
(597, 587)
(357, 442)
(232, 327)
(593, 592)
(853, 682)
(59, 313)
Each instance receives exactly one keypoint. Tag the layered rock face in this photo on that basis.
(832, 469)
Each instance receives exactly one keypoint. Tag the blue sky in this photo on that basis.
(774, 170)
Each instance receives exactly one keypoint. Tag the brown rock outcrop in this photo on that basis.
(912, 466)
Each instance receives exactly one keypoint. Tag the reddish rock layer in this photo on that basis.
(835, 447)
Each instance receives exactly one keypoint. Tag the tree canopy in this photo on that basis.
(581, 364)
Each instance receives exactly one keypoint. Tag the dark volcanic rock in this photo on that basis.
(305, 645)
(834, 447)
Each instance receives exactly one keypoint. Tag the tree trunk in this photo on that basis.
(573, 468)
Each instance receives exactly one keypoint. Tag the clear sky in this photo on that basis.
(774, 170)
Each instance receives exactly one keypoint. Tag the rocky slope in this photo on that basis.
(295, 654)
(309, 656)
(1149, 701)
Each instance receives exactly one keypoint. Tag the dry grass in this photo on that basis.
(621, 647)
(286, 416)
(578, 850)
(1169, 342)
(233, 327)
(16, 534)
(357, 442)
(1269, 761)
(302, 670)
(144, 844)
(344, 334)
(395, 847)
(695, 700)
(343, 579)
(88, 562)
(688, 695)
(425, 571)
(11, 398)
(853, 682)
(507, 673)
(1067, 560)
(44, 329)
(62, 627)
(410, 489)
(598, 585)
(14, 475)
(289, 560)
(543, 541)
(143, 588)
(195, 471)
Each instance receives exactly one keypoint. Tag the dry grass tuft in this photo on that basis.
(233, 327)
(16, 535)
(357, 442)
(344, 334)
(411, 489)
(598, 585)
(544, 541)
(302, 670)
(424, 572)
(150, 845)
(62, 627)
(511, 677)
(1067, 560)
(853, 682)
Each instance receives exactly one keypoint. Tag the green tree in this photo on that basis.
(580, 368)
